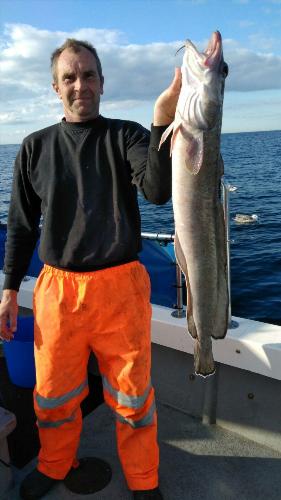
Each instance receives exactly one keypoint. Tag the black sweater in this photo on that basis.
(83, 179)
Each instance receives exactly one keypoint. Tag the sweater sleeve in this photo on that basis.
(23, 223)
(151, 168)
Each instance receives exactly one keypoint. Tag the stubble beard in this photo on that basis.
(87, 111)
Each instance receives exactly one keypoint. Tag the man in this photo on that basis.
(82, 176)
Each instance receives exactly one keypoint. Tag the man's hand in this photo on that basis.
(8, 314)
(165, 106)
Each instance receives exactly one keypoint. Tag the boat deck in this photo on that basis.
(200, 461)
(197, 461)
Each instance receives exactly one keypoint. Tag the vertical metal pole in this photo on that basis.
(179, 312)
(231, 323)
(226, 222)
(179, 288)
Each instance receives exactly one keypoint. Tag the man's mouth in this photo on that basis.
(84, 98)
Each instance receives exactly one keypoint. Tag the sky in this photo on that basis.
(137, 41)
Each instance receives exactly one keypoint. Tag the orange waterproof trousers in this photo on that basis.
(107, 312)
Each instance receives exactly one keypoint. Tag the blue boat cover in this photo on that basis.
(159, 261)
(158, 258)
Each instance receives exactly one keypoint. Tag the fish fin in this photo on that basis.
(221, 317)
(190, 320)
(204, 363)
(175, 127)
(166, 133)
(221, 165)
(180, 255)
(194, 150)
(174, 136)
(181, 260)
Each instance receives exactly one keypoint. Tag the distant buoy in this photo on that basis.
(245, 219)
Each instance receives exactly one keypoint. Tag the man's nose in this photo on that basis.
(79, 83)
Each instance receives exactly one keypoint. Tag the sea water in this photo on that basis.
(253, 166)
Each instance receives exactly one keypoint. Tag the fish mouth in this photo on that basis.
(212, 55)
(213, 52)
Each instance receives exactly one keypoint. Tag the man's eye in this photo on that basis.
(68, 79)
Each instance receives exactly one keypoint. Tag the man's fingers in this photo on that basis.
(8, 314)
(176, 83)
(6, 336)
(3, 324)
(165, 105)
(7, 331)
(13, 323)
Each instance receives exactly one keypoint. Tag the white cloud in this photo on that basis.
(246, 23)
(134, 74)
(249, 70)
(40, 107)
(263, 43)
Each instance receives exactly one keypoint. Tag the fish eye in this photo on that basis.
(224, 69)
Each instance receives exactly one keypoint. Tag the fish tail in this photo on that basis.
(203, 358)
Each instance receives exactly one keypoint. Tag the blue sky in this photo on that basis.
(137, 40)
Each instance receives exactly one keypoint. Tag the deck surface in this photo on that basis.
(197, 462)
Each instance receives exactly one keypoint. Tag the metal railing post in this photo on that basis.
(225, 188)
(179, 311)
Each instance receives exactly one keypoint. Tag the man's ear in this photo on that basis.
(56, 89)
(101, 84)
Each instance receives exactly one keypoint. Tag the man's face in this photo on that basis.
(78, 85)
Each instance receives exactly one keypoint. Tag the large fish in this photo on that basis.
(197, 167)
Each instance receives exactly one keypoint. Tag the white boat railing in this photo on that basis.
(162, 237)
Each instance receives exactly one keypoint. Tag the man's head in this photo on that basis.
(77, 79)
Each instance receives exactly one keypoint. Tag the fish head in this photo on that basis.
(203, 77)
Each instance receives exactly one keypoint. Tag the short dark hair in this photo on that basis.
(75, 46)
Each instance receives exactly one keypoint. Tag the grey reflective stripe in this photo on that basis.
(143, 422)
(56, 423)
(49, 403)
(124, 399)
